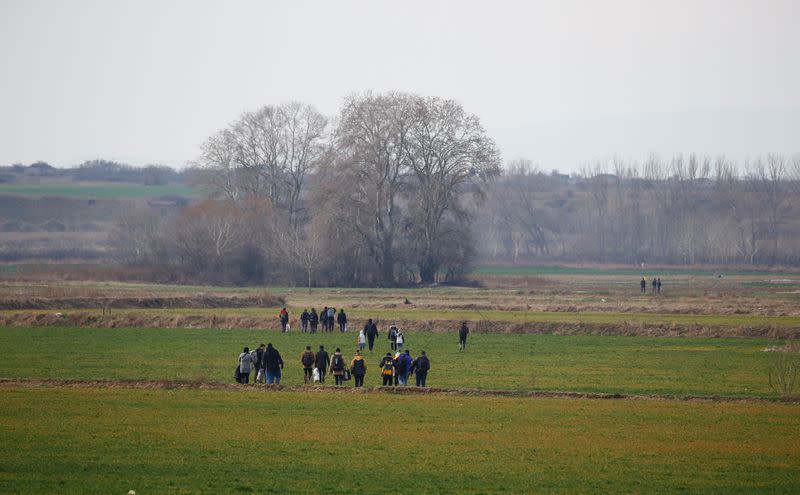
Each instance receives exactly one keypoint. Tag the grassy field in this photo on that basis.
(189, 441)
(631, 272)
(99, 190)
(631, 365)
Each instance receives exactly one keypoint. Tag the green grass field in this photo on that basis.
(99, 190)
(631, 365)
(190, 441)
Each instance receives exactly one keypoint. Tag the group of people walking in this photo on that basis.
(656, 283)
(395, 370)
(311, 320)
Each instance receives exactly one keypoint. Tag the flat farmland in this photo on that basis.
(73, 440)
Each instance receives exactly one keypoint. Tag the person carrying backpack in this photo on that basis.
(403, 366)
(307, 359)
(393, 336)
(358, 367)
(304, 321)
(400, 340)
(313, 319)
(420, 367)
(387, 370)
(323, 362)
(337, 367)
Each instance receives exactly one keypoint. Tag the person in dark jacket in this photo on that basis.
(313, 319)
(307, 359)
(284, 317)
(462, 336)
(323, 318)
(304, 321)
(273, 364)
(658, 285)
(323, 361)
(258, 363)
(371, 331)
(654, 285)
(643, 286)
(393, 336)
(387, 370)
(403, 366)
(358, 367)
(337, 366)
(420, 368)
(341, 318)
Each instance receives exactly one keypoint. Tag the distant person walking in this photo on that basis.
(462, 336)
(245, 364)
(403, 367)
(358, 367)
(362, 340)
(323, 318)
(313, 319)
(643, 286)
(387, 370)
(323, 361)
(307, 359)
(284, 317)
(337, 367)
(420, 367)
(654, 285)
(304, 321)
(371, 329)
(331, 317)
(658, 285)
(393, 336)
(259, 360)
(342, 319)
(400, 340)
(273, 364)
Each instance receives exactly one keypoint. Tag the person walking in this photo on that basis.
(331, 317)
(245, 363)
(337, 367)
(393, 336)
(313, 319)
(420, 368)
(403, 366)
(323, 318)
(654, 285)
(258, 361)
(371, 329)
(307, 359)
(462, 336)
(342, 319)
(358, 367)
(273, 364)
(400, 340)
(643, 286)
(284, 317)
(387, 370)
(362, 340)
(323, 361)
(658, 285)
(304, 321)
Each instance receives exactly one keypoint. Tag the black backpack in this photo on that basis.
(308, 358)
(358, 367)
(338, 362)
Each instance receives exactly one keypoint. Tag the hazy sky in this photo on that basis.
(563, 83)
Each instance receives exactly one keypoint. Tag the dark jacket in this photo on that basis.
(304, 316)
(313, 318)
(260, 357)
(393, 333)
(371, 330)
(403, 363)
(272, 359)
(342, 318)
(322, 360)
(462, 332)
(422, 363)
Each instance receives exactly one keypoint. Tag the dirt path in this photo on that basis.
(468, 392)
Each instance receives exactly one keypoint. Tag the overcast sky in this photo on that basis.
(562, 83)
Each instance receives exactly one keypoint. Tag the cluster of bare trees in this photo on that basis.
(689, 210)
(386, 196)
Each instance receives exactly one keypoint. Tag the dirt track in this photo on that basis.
(206, 301)
(469, 392)
(232, 322)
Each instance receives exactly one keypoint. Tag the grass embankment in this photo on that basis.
(111, 441)
(630, 365)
